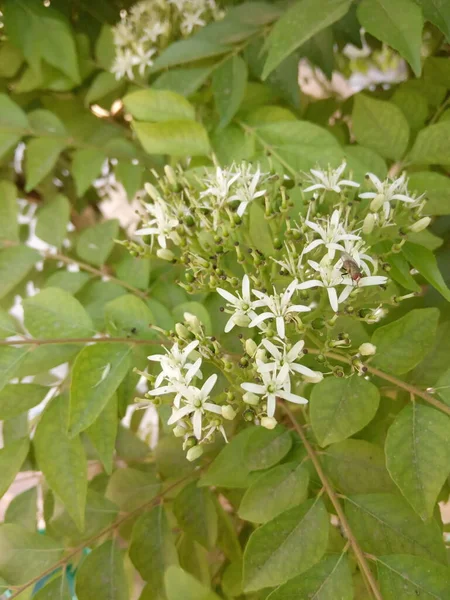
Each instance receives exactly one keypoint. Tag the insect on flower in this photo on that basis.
(351, 267)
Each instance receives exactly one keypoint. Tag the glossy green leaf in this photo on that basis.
(287, 546)
(400, 271)
(266, 448)
(62, 459)
(130, 488)
(196, 514)
(330, 579)
(52, 221)
(418, 455)
(12, 456)
(95, 243)
(9, 226)
(25, 555)
(129, 316)
(386, 524)
(402, 344)
(40, 158)
(96, 375)
(152, 549)
(103, 432)
(86, 167)
(12, 121)
(158, 105)
(432, 145)
(15, 264)
(178, 138)
(298, 24)
(403, 576)
(55, 314)
(101, 575)
(20, 397)
(274, 492)
(180, 585)
(425, 262)
(381, 126)
(341, 407)
(398, 23)
(22, 510)
(228, 85)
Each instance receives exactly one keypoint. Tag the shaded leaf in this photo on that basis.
(20, 397)
(12, 456)
(9, 225)
(52, 221)
(40, 158)
(130, 488)
(425, 262)
(86, 167)
(95, 243)
(228, 85)
(403, 576)
(101, 575)
(15, 264)
(432, 145)
(102, 433)
(196, 514)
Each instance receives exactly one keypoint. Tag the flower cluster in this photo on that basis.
(288, 258)
(150, 25)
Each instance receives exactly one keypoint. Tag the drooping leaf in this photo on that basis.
(101, 575)
(228, 84)
(398, 23)
(158, 105)
(55, 314)
(274, 492)
(418, 455)
(20, 397)
(341, 407)
(287, 546)
(403, 576)
(177, 138)
(402, 344)
(102, 433)
(96, 375)
(95, 243)
(62, 459)
(15, 264)
(196, 514)
(425, 262)
(12, 456)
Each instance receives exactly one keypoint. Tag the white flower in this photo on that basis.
(282, 356)
(331, 234)
(280, 307)
(362, 282)
(155, 30)
(123, 64)
(329, 180)
(143, 57)
(246, 189)
(163, 224)
(196, 404)
(386, 192)
(242, 307)
(330, 278)
(273, 385)
(191, 21)
(173, 362)
(356, 251)
(218, 185)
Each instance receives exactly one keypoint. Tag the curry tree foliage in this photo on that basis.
(224, 318)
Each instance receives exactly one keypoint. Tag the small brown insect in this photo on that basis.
(351, 267)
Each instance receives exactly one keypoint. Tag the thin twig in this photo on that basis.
(359, 554)
(114, 340)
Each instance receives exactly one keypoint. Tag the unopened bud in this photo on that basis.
(367, 349)
(152, 192)
(241, 320)
(377, 202)
(194, 453)
(268, 422)
(170, 174)
(316, 378)
(179, 431)
(420, 225)
(260, 354)
(193, 322)
(251, 347)
(181, 330)
(369, 223)
(228, 412)
(165, 254)
(250, 398)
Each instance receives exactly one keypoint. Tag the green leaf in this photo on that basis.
(103, 84)
(403, 576)
(52, 221)
(177, 138)
(229, 469)
(196, 514)
(418, 455)
(130, 176)
(11, 459)
(228, 84)
(287, 546)
(95, 243)
(11, 59)
(12, 120)
(55, 314)
(8, 325)
(152, 549)
(19, 397)
(381, 126)
(432, 145)
(361, 160)
(182, 586)
(402, 344)
(435, 363)
(101, 575)
(186, 51)
(15, 264)
(357, 467)
(425, 262)
(56, 589)
(274, 492)
(298, 24)
(96, 375)
(62, 459)
(25, 555)
(103, 432)
(438, 13)
(105, 50)
(86, 166)
(158, 105)
(398, 23)
(11, 360)
(184, 81)
(22, 509)
(386, 524)
(266, 448)
(129, 316)
(400, 271)
(9, 225)
(40, 158)
(259, 230)
(436, 188)
(135, 271)
(43, 358)
(413, 105)
(69, 281)
(328, 580)
(43, 121)
(130, 488)
(341, 407)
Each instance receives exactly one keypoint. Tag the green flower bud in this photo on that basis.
(248, 415)
(152, 192)
(420, 225)
(250, 398)
(368, 224)
(171, 177)
(377, 202)
(182, 332)
(194, 453)
(179, 431)
(318, 323)
(367, 349)
(228, 412)
(251, 347)
(165, 254)
(268, 422)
